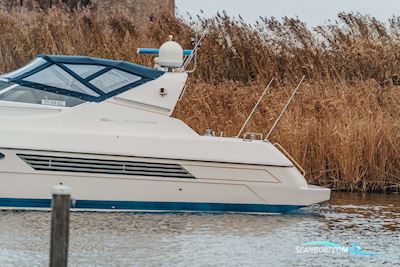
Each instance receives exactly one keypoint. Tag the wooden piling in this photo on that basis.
(60, 226)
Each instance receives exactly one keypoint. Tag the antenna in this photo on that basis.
(254, 109)
(284, 109)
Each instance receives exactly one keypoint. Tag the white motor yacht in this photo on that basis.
(104, 128)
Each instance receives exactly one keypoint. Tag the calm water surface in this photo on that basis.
(129, 239)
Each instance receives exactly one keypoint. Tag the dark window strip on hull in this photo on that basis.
(77, 165)
(95, 161)
(111, 168)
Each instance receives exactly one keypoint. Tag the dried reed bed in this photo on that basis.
(343, 127)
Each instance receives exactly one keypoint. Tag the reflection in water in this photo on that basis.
(143, 239)
(364, 212)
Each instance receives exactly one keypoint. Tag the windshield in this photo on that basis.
(4, 85)
(114, 79)
(56, 77)
(74, 79)
(25, 69)
(29, 95)
(84, 71)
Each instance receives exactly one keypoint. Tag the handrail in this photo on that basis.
(194, 52)
(277, 145)
(182, 93)
(253, 136)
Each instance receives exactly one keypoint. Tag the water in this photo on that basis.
(129, 239)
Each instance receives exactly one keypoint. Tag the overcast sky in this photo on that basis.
(313, 12)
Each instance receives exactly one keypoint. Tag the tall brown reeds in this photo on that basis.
(343, 127)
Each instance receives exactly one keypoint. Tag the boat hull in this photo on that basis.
(151, 184)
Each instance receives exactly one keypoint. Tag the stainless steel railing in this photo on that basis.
(298, 166)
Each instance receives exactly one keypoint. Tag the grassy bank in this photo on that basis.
(343, 127)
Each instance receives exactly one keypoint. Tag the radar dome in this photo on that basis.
(170, 55)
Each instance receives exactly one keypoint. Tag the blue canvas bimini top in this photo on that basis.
(87, 78)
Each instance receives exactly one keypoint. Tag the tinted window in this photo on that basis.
(114, 79)
(55, 76)
(84, 70)
(35, 96)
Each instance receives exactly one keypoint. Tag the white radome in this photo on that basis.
(170, 55)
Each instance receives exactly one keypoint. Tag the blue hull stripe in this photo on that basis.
(151, 206)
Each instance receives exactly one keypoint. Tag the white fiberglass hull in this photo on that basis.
(101, 182)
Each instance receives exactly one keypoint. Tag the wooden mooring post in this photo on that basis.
(60, 206)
